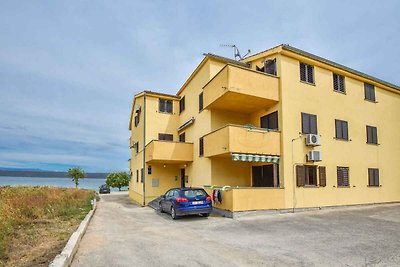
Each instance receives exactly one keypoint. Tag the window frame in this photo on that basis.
(373, 174)
(373, 138)
(270, 119)
(201, 102)
(165, 137)
(306, 71)
(342, 179)
(201, 146)
(369, 92)
(308, 118)
(341, 133)
(165, 106)
(339, 82)
(182, 137)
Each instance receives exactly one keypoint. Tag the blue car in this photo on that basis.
(186, 201)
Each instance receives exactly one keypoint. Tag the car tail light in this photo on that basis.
(208, 198)
(181, 199)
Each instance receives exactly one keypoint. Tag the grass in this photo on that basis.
(36, 222)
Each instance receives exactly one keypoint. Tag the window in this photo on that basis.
(306, 73)
(182, 137)
(136, 120)
(137, 176)
(269, 67)
(182, 105)
(322, 175)
(373, 177)
(343, 176)
(308, 123)
(306, 175)
(201, 101)
(338, 83)
(369, 91)
(270, 121)
(342, 131)
(165, 105)
(201, 146)
(141, 175)
(372, 135)
(137, 147)
(165, 137)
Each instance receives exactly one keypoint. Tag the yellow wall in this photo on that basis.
(168, 177)
(328, 105)
(225, 172)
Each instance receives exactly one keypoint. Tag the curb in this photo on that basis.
(64, 259)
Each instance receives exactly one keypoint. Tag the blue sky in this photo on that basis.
(69, 69)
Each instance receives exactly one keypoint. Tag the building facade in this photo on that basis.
(281, 129)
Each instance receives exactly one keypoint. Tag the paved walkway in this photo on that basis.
(123, 234)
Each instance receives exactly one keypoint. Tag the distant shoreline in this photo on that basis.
(48, 174)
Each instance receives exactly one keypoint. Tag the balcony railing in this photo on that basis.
(239, 89)
(241, 139)
(169, 152)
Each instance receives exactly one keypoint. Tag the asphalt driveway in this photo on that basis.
(123, 234)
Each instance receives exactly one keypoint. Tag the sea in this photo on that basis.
(87, 183)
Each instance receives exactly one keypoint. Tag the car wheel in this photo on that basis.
(173, 213)
(205, 214)
(160, 207)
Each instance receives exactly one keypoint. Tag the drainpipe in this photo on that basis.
(144, 150)
(294, 201)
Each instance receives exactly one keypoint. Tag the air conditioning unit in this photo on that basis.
(313, 140)
(314, 155)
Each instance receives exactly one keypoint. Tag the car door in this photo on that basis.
(164, 201)
(168, 200)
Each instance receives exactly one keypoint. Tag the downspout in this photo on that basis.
(144, 149)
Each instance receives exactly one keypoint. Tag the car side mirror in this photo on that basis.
(162, 196)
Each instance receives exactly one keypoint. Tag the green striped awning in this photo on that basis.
(254, 158)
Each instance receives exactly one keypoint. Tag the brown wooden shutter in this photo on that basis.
(300, 174)
(339, 177)
(322, 175)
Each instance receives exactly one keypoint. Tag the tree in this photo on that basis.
(117, 180)
(76, 173)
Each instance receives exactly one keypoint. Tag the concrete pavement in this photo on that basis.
(123, 234)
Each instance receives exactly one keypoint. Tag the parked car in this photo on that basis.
(186, 201)
(104, 189)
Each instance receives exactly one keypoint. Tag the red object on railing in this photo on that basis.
(208, 198)
(181, 199)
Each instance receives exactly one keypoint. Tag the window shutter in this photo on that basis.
(201, 101)
(169, 106)
(370, 176)
(301, 175)
(201, 146)
(374, 135)
(305, 123)
(270, 66)
(345, 130)
(303, 72)
(376, 177)
(338, 127)
(322, 175)
(310, 74)
(339, 177)
(313, 124)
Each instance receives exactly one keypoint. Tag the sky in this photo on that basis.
(69, 69)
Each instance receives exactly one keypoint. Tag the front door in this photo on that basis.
(182, 178)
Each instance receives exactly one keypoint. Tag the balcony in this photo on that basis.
(241, 139)
(239, 89)
(169, 152)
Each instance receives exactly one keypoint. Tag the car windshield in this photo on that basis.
(195, 193)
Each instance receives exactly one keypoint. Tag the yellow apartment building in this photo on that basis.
(281, 129)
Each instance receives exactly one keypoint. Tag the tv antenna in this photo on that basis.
(236, 51)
